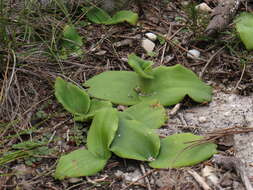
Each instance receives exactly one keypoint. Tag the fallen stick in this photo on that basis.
(222, 15)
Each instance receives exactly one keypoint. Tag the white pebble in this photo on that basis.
(193, 53)
(74, 180)
(210, 173)
(202, 119)
(119, 173)
(102, 52)
(203, 7)
(226, 114)
(148, 45)
(151, 36)
(124, 59)
(185, 3)
(169, 58)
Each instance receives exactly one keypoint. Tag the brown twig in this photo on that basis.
(145, 178)
(222, 16)
(199, 179)
(209, 61)
(243, 71)
(174, 110)
(213, 136)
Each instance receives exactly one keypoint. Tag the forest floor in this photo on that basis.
(30, 62)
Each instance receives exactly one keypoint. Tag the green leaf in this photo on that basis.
(102, 132)
(71, 42)
(161, 39)
(71, 38)
(141, 67)
(115, 86)
(244, 27)
(95, 106)
(175, 151)
(169, 86)
(151, 113)
(124, 16)
(26, 145)
(135, 141)
(79, 163)
(73, 99)
(99, 16)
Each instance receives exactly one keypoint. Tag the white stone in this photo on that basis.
(202, 119)
(119, 173)
(102, 52)
(193, 53)
(169, 58)
(151, 36)
(210, 173)
(148, 45)
(124, 59)
(203, 7)
(133, 176)
(74, 180)
(185, 3)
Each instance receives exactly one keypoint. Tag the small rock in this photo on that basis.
(124, 59)
(169, 58)
(202, 119)
(151, 36)
(125, 42)
(193, 53)
(185, 3)
(118, 173)
(74, 180)
(209, 173)
(148, 45)
(133, 176)
(203, 7)
(102, 52)
(227, 113)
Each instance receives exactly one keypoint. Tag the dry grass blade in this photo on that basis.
(214, 136)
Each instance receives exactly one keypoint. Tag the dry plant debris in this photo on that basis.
(29, 63)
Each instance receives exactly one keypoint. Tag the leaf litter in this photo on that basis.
(27, 88)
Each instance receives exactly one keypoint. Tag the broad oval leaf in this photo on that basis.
(74, 99)
(79, 163)
(177, 152)
(171, 84)
(244, 27)
(116, 86)
(102, 131)
(150, 113)
(135, 141)
(98, 16)
(124, 16)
